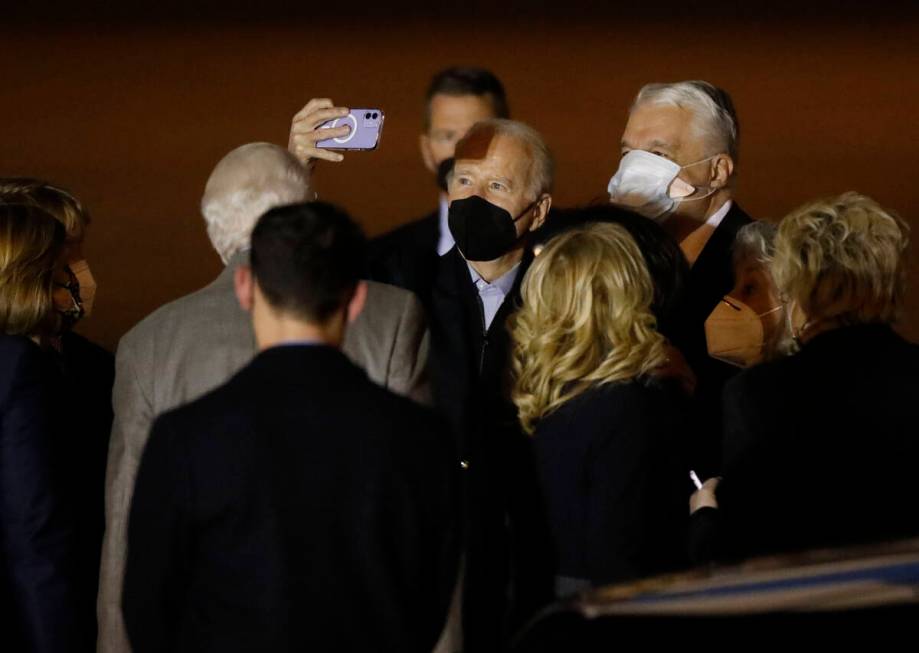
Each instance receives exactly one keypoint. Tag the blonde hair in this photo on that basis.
(57, 202)
(30, 242)
(586, 320)
(842, 259)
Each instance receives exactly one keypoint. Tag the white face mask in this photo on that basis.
(648, 184)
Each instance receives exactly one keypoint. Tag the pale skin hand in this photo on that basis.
(304, 133)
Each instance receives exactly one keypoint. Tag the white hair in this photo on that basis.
(245, 184)
(712, 108)
(542, 170)
(755, 241)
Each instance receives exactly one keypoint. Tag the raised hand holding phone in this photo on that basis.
(305, 132)
(365, 127)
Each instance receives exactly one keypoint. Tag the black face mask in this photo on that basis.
(482, 230)
(444, 169)
(75, 312)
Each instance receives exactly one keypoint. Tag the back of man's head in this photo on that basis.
(307, 259)
(246, 183)
(459, 81)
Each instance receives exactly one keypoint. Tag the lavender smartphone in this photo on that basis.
(366, 127)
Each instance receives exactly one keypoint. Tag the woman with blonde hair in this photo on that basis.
(605, 420)
(88, 374)
(819, 447)
(37, 590)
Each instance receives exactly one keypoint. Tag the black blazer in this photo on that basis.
(37, 599)
(507, 576)
(613, 467)
(88, 375)
(710, 279)
(820, 448)
(407, 256)
(298, 507)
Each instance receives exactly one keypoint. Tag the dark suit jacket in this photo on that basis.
(36, 573)
(504, 521)
(710, 279)
(820, 448)
(298, 507)
(88, 375)
(613, 467)
(407, 256)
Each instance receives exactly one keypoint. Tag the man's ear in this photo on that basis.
(244, 283)
(541, 211)
(356, 305)
(724, 169)
(424, 144)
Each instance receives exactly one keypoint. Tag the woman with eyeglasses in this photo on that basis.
(37, 589)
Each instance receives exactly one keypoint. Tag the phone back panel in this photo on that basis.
(366, 127)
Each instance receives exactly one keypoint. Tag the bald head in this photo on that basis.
(245, 184)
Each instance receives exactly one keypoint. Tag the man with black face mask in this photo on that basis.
(499, 193)
(456, 99)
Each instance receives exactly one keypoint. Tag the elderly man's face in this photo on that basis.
(451, 118)
(754, 287)
(497, 168)
(668, 131)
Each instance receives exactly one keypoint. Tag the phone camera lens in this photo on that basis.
(367, 115)
(374, 115)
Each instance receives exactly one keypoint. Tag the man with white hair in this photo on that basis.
(194, 344)
(499, 194)
(679, 154)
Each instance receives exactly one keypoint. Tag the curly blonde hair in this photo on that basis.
(842, 259)
(30, 244)
(586, 320)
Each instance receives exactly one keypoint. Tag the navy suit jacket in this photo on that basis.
(36, 580)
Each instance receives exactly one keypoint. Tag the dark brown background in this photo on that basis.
(131, 108)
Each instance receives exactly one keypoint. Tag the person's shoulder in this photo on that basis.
(219, 409)
(17, 350)
(203, 308)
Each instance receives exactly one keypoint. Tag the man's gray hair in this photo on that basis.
(542, 170)
(245, 184)
(712, 107)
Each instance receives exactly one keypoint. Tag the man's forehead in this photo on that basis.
(658, 125)
(467, 109)
(477, 145)
(498, 153)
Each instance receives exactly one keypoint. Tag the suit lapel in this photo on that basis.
(712, 276)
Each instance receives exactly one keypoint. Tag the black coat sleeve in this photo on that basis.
(157, 567)
(36, 533)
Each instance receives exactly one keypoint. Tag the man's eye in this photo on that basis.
(659, 153)
(464, 181)
(623, 153)
(497, 186)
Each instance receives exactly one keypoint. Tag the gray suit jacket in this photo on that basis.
(196, 343)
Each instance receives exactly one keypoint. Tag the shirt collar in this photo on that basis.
(444, 238)
(715, 219)
(504, 283)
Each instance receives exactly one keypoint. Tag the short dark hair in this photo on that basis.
(467, 81)
(308, 259)
(663, 256)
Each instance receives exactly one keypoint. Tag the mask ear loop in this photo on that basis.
(686, 198)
